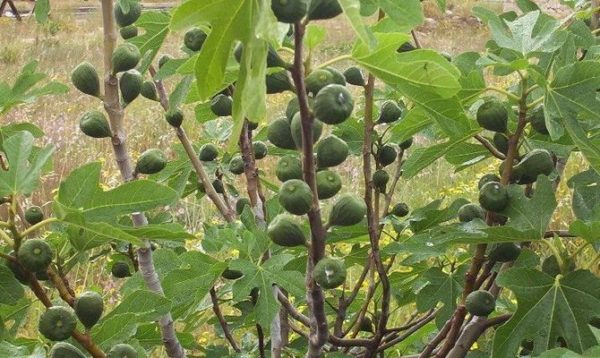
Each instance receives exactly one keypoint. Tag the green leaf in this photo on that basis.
(352, 12)
(567, 101)
(465, 155)
(431, 214)
(144, 305)
(565, 353)
(529, 34)
(12, 291)
(421, 158)
(586, 196)
(188, 285)
(117, 329)
(156, 29)
(24, 91)
(441, 287)
(407, 13)
(412, 122)
(264, 276)
(81, 192)
(548, 308)
(22, 176)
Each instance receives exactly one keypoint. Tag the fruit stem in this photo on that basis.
(334, 60)
(4, 236)
(504, 92)
(37, 226)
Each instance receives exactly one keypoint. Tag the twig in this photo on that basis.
(560, 233)
(489, 146)
(224, 326)
(472, 331)
(115, 113)
(315, 297)
(408, 333)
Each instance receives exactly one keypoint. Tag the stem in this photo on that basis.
(315, 297)
(37, 226)
(373, 219)
(224, 326)
(408, 332)
(489, 146)
(504, 92)
(472, 331)
(115, 113)
(334, 60)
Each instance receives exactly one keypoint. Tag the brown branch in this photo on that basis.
(315, 298)
(217, 310)
(472, 332)
(560, 233)
(114, 110)
(408, 332)
(60, 286)
(373, 219)
(489, 146)
(83, 339)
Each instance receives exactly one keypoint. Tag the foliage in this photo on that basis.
(355, 268)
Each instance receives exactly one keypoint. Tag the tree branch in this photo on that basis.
(115, 113)
(489, 146)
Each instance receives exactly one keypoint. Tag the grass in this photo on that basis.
(68, 39)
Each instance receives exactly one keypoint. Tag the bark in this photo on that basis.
(115, 114)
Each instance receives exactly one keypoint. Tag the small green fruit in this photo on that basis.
(284, 231)
(88, 308)
(295, 196)
(288, 167)
(486, 179)
(493, 196)
(208, 152)
(317, 80)
(278, 82)
(94, 124)
(551, 267)
(406, 47)
(131, 85)
(125, 58)
(236, 165)
(333, 104)
(128, 32)
(480, 303)
(151, 161)
(86, 79)
(501, 142)
(122, 351)
(493, 116)
(329, 183)
(232, 274)
(354, 76)
(149, 90)
(127, 18)
(260, 150)
(400, 210)
(273, 58)
(406, 144)
(470, 212)
(386, 155)
(34, 215)
(338, 77)
(390, 112)
(174, 117)
(324, 9)
(331, 151)
(330, 273)
(348, 210)
(35, 255)
(65, 350)
(289, 11)
(280, 135)
(537, 162)
(241, 204)
(505, 252)
(163, 60)
(380, 180)
(296, 130)
(194, 39)
(120, 270)
(366, 325)
(218, 186)
(221, 105)
(57, 323)
(538, 120)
